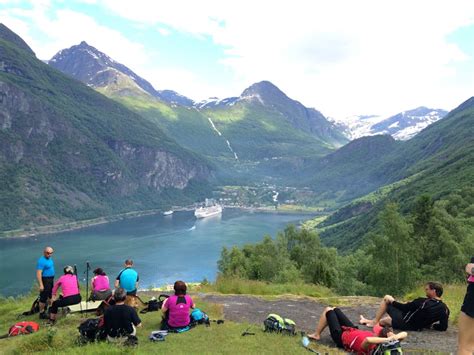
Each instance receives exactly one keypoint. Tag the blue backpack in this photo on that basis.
(199, 317)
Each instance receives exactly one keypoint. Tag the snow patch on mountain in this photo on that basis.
(402, 126)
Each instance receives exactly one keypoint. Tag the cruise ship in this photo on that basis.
(210, 209)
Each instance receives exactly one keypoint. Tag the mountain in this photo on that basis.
(253, 137)
(402, 126)
(12, 37)
(266, 95)
(438, 161)
(69, 153)
(96, 69)
(245, 139)
(407, 124)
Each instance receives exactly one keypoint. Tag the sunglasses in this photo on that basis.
(49, 253)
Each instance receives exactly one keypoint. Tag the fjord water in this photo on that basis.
(164, 248)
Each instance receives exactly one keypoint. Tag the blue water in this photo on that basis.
(164, 248)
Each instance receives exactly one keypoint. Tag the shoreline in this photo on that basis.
(76, 225)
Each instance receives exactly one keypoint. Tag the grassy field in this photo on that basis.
(222, 339)
(236, 286)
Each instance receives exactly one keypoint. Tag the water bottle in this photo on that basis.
(305, 341)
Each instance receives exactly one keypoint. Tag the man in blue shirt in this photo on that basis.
(128, 279)
(45, 277)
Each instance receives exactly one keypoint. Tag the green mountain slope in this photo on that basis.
(244, 141)
(69, 153)
(351, 171)
(253, 137)
(437, 162)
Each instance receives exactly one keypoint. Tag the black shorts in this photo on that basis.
(397, 318)
(101, 295)
(48, 283)
(468, 304)
(336, 320)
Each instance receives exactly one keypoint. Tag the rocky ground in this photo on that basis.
(305, 312)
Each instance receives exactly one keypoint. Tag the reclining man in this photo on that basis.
(421, 313)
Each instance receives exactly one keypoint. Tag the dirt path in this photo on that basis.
(305, 312)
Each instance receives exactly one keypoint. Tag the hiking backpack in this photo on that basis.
(391, 348)
(92, 329)
(33, 310)
(23, 328)
(278, 324)
(199, 317)
(154, 304)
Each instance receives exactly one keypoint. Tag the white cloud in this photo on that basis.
(164, 31)
(343, 57)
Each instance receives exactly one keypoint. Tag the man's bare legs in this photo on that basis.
(380, 313)
(322, 324)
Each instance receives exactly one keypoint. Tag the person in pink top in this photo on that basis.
(176, 308)
(100, 286)
(70, 292)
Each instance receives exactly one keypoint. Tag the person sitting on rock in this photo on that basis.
(346, 335)
(70, 292)
(421, 313)
(100, 286)
(176, 308)
(120, 320)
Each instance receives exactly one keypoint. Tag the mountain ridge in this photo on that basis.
(281, 128)
(95, 68)
(402, 126)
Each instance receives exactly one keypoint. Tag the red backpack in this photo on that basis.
(22, 328)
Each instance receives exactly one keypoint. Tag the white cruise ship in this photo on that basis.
(210, 209)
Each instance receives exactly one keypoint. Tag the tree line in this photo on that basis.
(431, 242)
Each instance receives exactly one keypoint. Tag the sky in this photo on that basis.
(343, 57)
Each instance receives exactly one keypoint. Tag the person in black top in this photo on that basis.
(421, 313)
(120, 320)
(466, 317)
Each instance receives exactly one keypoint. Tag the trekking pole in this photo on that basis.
(87, 284)
(77, 279)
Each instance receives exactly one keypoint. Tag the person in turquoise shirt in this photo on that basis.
(128, 278)
(45, 278)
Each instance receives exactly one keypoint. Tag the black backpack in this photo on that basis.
(154, 305)
(92, 329)
(34, 308)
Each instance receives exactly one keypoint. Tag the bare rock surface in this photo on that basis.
(306, 311)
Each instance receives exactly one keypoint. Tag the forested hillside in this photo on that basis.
(438, 161)
(69, 153)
